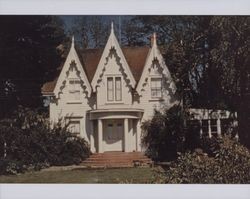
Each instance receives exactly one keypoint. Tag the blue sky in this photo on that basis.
(69, 19)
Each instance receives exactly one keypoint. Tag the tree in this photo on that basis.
(209, 58)
(230, 56)
(80, 30)
(90, 31)
(132, 33)
(28, 58)
(182, 40)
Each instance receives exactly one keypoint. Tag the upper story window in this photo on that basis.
(118, 89)
(156, 88)
(114, 89)
(110, 89)
(74, 89)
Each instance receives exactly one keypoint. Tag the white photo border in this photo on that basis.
(126, 7)
(122, 7)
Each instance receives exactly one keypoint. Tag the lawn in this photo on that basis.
(124, 175)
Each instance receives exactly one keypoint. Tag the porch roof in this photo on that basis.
(116, 113)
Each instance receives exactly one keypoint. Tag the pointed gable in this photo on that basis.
(135, 56)
(72, 62)
(154, 64)
(112, 45)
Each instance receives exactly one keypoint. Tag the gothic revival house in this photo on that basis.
(106, 94)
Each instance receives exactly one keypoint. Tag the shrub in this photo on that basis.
(30, 142)
(8, 166)
(163, 136)
(192, 134)
(211, 145)
(230, 164)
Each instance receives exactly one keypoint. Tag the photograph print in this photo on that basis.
(137, 99)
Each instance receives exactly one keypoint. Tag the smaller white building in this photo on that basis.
(211, 121)
(106, 94)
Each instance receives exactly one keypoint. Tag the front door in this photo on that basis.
(113, 135)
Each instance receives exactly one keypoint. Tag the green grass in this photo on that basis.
(124, 175)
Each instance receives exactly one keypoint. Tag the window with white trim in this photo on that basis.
(118, 89)
(114, 89)
(156, 88)
(110, 89)
(74, 89)
(74, 127)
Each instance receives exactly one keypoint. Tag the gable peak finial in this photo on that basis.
(153, 39)
(112, 27)
(73, 41)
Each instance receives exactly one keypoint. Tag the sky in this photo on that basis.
(69, 19)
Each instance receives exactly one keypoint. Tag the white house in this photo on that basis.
(106, 94)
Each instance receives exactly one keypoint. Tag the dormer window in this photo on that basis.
(114, 89)
(74, 89)
(156, 88)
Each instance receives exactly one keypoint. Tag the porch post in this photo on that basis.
(130, 136)
(100, 148)
(92, 143)
(126, 135)
(209, 129)
(138, 135)
(219, 127)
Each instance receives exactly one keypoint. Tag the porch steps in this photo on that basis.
(117, 160)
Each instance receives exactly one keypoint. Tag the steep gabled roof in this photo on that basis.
(112, 45)
(48, 87)
(154, 54)
(59, 82)
(135, 57)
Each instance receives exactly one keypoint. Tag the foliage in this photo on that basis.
(30, 142)
(209, 57)
(90, 31)
(211, 145)
(231, 164)
(28, 58)
(163, 135)
(230, 56)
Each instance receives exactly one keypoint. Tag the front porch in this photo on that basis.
(115, 130)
